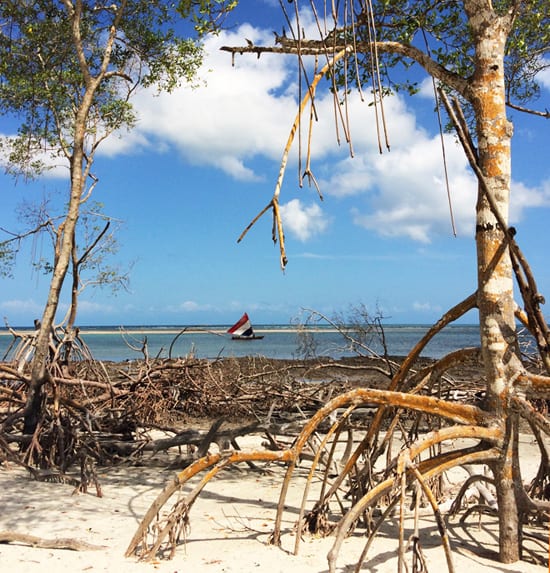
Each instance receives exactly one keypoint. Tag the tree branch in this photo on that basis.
(62, 543)
(545, 114)
(322, 48)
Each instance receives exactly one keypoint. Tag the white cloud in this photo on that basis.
(426, 88)
(236, 168)
(303, 221)
(192, 306)
(528, 197)
(127, 142)
(94, 308)
(241, 112)
(426, 307)
(406, 194)
(28, 306)
(246, 111)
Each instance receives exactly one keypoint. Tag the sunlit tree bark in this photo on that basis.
(483, 59)
(499, 344)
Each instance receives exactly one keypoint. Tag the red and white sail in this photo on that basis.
(243, 327)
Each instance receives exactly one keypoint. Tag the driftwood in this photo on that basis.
(111, 412)
(61, 543)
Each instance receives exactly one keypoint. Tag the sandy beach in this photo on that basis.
(230, 526)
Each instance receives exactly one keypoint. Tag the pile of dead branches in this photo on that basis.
(105, 412)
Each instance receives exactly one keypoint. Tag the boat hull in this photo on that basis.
(242, 330)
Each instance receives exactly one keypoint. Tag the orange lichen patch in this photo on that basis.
(492, 258)
(539, 383)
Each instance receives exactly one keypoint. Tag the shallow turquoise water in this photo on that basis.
(280, 341)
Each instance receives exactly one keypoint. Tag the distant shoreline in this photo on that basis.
(170, 330)
(218, 329)
(273, 340)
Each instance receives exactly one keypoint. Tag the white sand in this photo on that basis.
(230, 526)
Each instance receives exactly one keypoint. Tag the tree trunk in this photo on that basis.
(495, 277)
(63, 251)
(79, 168)
(40, 373)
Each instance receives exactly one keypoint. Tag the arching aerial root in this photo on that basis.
(170, 528)
(157, 535)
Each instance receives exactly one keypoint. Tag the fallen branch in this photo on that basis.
(61, 543)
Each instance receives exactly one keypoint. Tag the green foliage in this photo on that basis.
(68, 70)
(440, 28)
(207, 15)
(528, 44)
(50, 52)
(7, 259)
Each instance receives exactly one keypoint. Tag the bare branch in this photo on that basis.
(322, 47)
(545, 114)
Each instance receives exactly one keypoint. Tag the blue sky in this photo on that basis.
(201, 164)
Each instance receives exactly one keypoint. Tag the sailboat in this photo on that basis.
(242, 330)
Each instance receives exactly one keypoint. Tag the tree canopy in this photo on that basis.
(51, 52)
(442, 31)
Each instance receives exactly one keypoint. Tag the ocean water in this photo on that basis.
(280, 341)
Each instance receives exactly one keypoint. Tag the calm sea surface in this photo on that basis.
(280, 341)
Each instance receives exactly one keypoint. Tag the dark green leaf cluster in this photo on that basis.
(527, 51)
(440, 29)
(7, 259)
(51, 51)
(437, 27)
